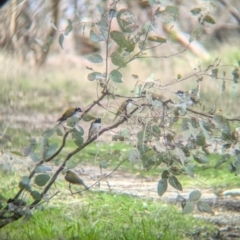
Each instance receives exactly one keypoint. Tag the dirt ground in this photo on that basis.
(226, 210)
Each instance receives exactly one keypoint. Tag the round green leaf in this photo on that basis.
(127, 21)
(117, 59)
(36, 195)
(119, 38)
(41, 179)
(195, 195)
(162, 186)
(116, 76)
(94, 76)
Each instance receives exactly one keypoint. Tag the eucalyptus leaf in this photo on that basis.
(94, 76)
(195, 11)
(188, 207)
(94, 58)
(157, 39)
(209, 19)
(25, 183)
(117, 59)
(88, 117)
(200, 158)
(43, 169)
(116, 76)
(162, 186)
(127, 21)
(61, 40)
(173, 181)
(204, 207)
(68, 28)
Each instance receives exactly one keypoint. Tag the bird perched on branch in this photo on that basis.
(189, 97)
(71, 112)
(73, 178)
(94, 128)
(124, 108)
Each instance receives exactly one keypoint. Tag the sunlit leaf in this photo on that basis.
(41, 179)
(157, 39)
(162, 186)
(61, 40)
(173, 181)
(119, 38)
(195, 195)
(116, 76)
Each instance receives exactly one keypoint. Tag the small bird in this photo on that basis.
(190, 97)
(124, 108)
(73, 178)
(71, 112)
(94, 128)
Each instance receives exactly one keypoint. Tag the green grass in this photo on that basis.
(106, 216)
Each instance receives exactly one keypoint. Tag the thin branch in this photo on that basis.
(103, 177)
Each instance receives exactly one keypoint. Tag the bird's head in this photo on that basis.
(78, 109)
(98, 120)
